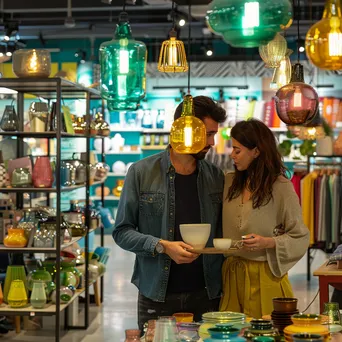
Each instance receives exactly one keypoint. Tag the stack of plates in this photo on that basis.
(282, 319)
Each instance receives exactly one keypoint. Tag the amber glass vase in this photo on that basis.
(15, 238)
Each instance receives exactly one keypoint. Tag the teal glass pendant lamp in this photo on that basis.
(123, 68)
(248, 23)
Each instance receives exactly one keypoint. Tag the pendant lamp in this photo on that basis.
(313, 130)
(282, 74)
(324, 39)
(188, 133)
(123, 68)
(273, 52)
(172, 56)
(246, 23)
(296, 102)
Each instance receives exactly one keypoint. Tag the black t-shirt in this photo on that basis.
(186, 277)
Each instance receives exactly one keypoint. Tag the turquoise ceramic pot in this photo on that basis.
(224, 334)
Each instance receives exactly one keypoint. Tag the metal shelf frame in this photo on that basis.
(54, 88)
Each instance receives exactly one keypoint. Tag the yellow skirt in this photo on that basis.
(249, 286)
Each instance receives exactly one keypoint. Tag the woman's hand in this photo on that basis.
(179, 251)
(254, 242)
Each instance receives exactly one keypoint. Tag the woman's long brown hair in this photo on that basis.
(264, 170)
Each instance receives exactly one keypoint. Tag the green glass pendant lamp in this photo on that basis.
(248, 23)
(123, 68)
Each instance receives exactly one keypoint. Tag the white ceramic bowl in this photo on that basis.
(196, 234)
(222, 244)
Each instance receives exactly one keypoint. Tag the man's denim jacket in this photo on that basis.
(146, 214)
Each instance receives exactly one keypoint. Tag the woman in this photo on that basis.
(261, 207)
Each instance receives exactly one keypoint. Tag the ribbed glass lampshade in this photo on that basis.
(188, 133)
(324, 39)
(172, 56)
(273, 52)
(296, 102)
(282, 74)
(123, 68)
(245, 23)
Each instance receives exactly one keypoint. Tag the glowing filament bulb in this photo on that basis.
(297, 97)
(335, 38)
(172, 53)
(187, 136)
(312, 131)
(33, 64)
(251, 18)
(123, 57)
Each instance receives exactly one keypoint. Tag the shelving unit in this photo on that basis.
(53, 88)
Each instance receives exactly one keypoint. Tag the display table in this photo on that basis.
(327, 275)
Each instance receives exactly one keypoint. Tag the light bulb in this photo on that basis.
(33, 64)
(209, 53)
(250, 18)
(123, 57)
(335, 38)
(297, 98)
(181, 22)
(172, 53)
(187, 136)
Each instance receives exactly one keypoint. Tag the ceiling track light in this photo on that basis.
(69, 21)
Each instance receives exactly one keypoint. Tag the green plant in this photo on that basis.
(284, 148)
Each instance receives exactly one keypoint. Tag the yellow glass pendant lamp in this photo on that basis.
(282, 74)
(273, 52)
(188, 134)
(324, 39)
(172, 57)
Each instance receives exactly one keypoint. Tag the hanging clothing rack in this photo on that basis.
(327, 163)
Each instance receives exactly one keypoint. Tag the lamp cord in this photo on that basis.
(173, 15)
(311, 301)
(189, 43)
(298, 37)
(124, 6)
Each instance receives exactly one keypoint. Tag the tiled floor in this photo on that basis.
(118, 311)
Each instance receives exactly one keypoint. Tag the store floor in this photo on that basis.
(118, 311)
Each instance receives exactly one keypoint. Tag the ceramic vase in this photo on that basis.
(16, 238)
(132, 335)
(9, 121)
(42, 175)
(38, 295)
(13, 273)
(17, 296)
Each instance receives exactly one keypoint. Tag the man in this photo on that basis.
(160, 193)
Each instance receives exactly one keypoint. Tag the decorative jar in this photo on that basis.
(15, 238)
(118, 189)
(99, 126)
(21, 178)
(39, 115)
(42, 175)
(31, 63)
(17, 296)
(132, 335)
(219, 334)
(38, 295)
(9, 121)
(306, 323)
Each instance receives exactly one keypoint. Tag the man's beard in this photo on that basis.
(201, 155)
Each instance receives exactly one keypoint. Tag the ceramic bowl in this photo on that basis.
(222, 244)
(196, 234)
(284, 304)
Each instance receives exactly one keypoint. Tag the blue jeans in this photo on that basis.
(195, 302)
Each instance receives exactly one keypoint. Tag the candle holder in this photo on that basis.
(31, 63)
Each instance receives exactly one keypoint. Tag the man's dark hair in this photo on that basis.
(204, 107)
